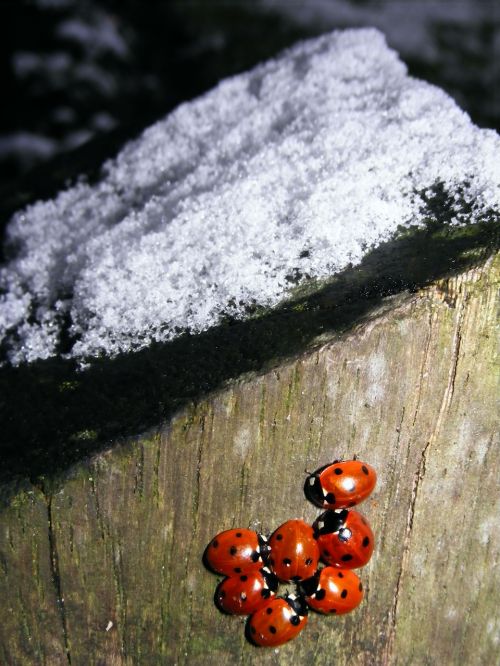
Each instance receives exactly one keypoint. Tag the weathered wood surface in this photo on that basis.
(413, 391)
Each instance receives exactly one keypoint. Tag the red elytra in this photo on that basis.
(243, 594)
(277, 622)
(236, 551)
(294, 552)
(340, 485)
(345, 539)
(332, 591)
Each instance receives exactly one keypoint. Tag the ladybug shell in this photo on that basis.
(277, 622)
(345, 539)
(294, 552)
(332, 590)
(341, 484)
(245, 593)
(236, 551)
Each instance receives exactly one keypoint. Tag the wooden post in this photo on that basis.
(107, 567)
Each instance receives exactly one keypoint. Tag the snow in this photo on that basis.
(303, 165)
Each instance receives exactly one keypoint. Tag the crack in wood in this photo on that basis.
(392, 619)
(56, 577)
(116, 559)
(139, 474)
(197, 486)
(420, 473)
(422, 370)
(93, 491)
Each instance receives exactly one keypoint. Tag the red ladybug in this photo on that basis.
(243, 594)
(345, 539)
(341, 484)
(236, 551)
(332, 590)
(278, 621)
(294, 552)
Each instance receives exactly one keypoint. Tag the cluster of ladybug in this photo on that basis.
(340, 538)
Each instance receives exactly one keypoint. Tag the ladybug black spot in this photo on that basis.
(237, 570)
(269, 611)
(341, 575)
(346, 558)
(239, 535)
(320, 594)
(215, 543)
(343, 594)
(287, 561)
(272, 629)
(233, 550)
(366, 541)
(338, 471)
(279, 537)
(364, 470)
(330, 498)
(243, 578)
(295, 620)
(309, 561)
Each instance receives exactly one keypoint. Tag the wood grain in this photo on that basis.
(413, 391)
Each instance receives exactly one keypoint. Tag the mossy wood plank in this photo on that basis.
(413, 391)
(31, 619)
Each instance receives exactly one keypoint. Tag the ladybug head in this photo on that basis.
(298, 603)
(271, 580)
(308, 586)
(313, 490)
(264, 547)
(329, 522)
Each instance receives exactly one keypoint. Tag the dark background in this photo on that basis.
(80, 77)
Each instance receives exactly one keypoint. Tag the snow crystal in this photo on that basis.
(300, 165)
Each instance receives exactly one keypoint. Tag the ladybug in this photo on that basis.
(332, 591)
(278, 621)
(340, 485)
(345, 539)
(294, 552)
(236, 551)
(243, 594)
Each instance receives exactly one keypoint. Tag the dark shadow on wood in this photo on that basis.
(53, 416)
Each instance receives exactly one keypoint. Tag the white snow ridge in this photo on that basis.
(304, 163)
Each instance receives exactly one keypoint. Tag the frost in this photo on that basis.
(298, 167)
